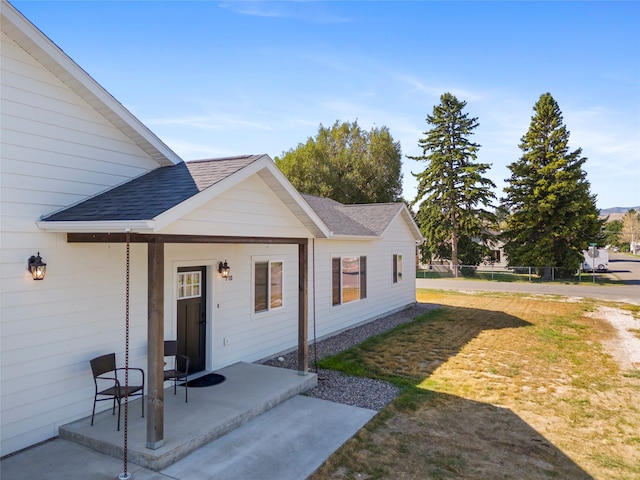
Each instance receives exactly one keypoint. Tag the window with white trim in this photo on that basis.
(189, 285)
(348, 279)
(267, 288)
(397, 268)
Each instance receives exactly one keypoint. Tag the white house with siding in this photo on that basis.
(82, 181)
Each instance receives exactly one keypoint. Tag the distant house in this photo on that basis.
(496, 258)
(83, 182)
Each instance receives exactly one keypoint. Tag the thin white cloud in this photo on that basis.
(215, 122)
(247, 123)
(200, 122)
(303, 122)
(418, 86)
(606, 139)
(195, 151)
(315, 12)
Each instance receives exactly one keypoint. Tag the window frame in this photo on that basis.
(270, 305)
(338, 275)
(397, 267)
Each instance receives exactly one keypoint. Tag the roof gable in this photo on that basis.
(336, 217)
(361, 220)
(152, 194)
(162, 196)
(50, 56)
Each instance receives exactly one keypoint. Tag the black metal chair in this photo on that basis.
(180, 368)
(108, 385)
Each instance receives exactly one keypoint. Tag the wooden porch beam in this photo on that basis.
(147, 238)
(155, 348)
(155, 324)
(303, 303)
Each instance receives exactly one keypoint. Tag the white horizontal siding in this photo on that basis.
(62, 164)
(63, 138)
(252, 337)
(230, 314)
(61, 170)
(51, 329)
(383, 295)
(57, 150)
(54, 144)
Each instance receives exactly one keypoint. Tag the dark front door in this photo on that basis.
(191, 315)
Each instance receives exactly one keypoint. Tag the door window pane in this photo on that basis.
(189, 285)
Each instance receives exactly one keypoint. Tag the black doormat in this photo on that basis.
(206, 380)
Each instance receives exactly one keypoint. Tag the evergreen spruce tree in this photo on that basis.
(453, 195)
(552, 215)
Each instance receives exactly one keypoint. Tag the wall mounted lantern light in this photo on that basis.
(224, 270)
(36, 266)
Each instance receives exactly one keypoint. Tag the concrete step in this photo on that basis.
(248, 391)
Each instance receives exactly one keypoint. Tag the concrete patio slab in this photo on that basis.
(289, 442)
(248, 391)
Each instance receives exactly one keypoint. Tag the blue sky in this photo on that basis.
(218, 78)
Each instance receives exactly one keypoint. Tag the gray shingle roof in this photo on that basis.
(359, 220)
(149, 195)
(146, 197)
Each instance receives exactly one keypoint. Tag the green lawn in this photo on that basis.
(495, 386)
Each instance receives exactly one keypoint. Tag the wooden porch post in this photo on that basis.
(303, 304)
(155, 349)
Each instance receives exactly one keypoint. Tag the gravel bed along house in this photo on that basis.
(346, 389)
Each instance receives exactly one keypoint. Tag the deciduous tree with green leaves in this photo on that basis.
(454, 198)
(347, 164)
(611, 232)
(630, 231)
(552, 214)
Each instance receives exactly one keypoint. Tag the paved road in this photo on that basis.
(625, 267)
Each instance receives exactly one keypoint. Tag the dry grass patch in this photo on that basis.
(495, 386)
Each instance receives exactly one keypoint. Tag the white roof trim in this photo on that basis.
(356, 237)
(135, 226)
(39, 46)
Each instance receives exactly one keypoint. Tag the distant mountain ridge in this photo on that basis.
(608, 211)
(616, 213)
